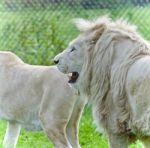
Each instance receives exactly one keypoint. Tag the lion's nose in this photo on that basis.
(56, 61)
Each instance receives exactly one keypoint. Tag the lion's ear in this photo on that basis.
(82, 24)
(97, 32)
(95, 28)
(86, 25)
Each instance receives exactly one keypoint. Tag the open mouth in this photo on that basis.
(73, 77)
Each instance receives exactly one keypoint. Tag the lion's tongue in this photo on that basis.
(73, 77)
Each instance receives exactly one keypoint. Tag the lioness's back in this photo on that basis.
(7, 57)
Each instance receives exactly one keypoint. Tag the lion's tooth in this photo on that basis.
(70, 74)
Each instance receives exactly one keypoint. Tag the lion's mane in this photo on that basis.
(97, 77)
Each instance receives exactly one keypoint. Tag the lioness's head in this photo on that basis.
(72, 60)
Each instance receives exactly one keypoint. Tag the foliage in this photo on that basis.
(36, 40)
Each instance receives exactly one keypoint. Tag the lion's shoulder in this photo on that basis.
(7, 57)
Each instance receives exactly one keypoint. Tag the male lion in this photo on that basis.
(110, 64)
(37, 97)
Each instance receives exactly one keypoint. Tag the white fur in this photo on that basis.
(38, 97)
(113, 61)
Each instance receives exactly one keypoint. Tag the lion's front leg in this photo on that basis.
(117, 141)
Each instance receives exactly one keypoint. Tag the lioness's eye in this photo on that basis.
(73, 48)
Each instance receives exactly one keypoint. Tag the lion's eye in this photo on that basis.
(73, 48)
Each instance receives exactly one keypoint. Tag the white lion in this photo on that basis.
(110, 64)
(38, 97)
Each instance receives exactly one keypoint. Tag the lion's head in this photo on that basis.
(70, 61)
(75, 58)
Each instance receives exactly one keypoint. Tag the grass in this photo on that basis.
(37, 35)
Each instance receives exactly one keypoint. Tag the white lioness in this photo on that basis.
(37, 97)
(110, 63)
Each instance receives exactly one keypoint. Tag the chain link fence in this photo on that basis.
(36, 30)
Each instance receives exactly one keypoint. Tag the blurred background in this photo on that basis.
(36, 30)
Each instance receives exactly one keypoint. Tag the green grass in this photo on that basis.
(89, 137)
(38, 35)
